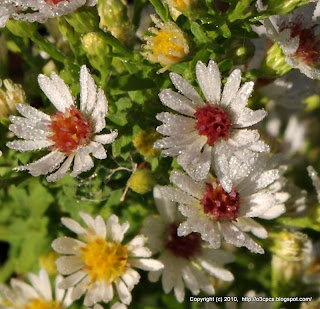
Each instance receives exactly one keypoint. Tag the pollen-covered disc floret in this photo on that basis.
(188, 262)
(220, 204)
(216, 214)
(197, 135)
(298, 36)
(38, 295)
(167, 45)
(97, 262)
(70, 134)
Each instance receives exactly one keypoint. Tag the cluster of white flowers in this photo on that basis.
(229, 175)
(213, 131)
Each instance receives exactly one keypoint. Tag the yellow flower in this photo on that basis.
(168, 44)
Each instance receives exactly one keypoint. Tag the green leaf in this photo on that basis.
(121, 146)
(198, 32)
(161, 9)
(239, 11)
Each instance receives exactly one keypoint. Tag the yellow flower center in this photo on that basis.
(104, 261)
(42, 304)
(164, 45)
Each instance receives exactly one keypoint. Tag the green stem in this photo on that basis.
(111, 40)
(47, 47)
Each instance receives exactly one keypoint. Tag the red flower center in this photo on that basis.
(54, 2)
(309, 43)
(213, 122)
(69, 130)
(220, 204)
(185, 246)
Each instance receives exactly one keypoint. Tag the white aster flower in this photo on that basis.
(70, 134)
(187, 260)
(197, 135)
(298, 36)
(41, 10)
(38, 295)
(216, 213)
(98, 262)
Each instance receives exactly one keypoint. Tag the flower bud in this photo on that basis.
(144, 141)
(48, 262)
(114, 17)
(141, 181)
(95, 49)
(274, 63)
(280, 7)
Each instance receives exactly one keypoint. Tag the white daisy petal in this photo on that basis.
(56, 91)
(123, 292)
(82, 163)
(44, 165)
(69, 264)
(185, 88)
(72, 280)
(66, 245)
(31, 112)
(231, 88)
(62, 170)
(74, 226)
(215, 270)
(177, 102)
(146, 264)
(209, 80)
(106, 138)
(29, 145)
(99, 113)
(186, 184)
(87, 91)
(177, 196)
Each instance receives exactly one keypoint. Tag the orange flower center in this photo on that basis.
(69, 130)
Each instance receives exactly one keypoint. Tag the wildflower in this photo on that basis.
(11, 95)
(41, 10)
(167, 45)
(298, 37)
(98, 262)
(197, 134)
(187, 260)
(34, 296)
(216, 213)
(69, 134)
(144, 142)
